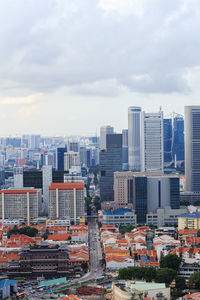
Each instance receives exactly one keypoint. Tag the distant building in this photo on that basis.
(189, 220)
(18, 177)
(178, 139)
(146, 192)
(46, 181)
(104, 130)
(167, 135)
(60, 158)
(125, 149)
(20, 204)
(8, 288)
(134, 143)
(110, 161)
(74, 146)
(71, 159)
(122, 216)
(66, 200)
(192, 148)
(152, 152)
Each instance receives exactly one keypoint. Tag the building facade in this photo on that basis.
(167, 135)
(21, 204)
(152, 146)
(71, 159)
(66, 200)
(192, 148)
(125, 149)
(104, 130)
(60, 158)
(110, 162)
(134, 133)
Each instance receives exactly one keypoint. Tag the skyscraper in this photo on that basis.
(134, 155)
(125, 149)
(71, 159)
(192, 148)
(167, 133)
(152, 156)
(104, 130)
(110, 161)
(60, 157)
(178, 138)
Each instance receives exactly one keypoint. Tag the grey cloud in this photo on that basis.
(51, 44)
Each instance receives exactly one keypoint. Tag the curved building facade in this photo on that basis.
(134, 147)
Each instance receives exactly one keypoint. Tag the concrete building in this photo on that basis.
(74, 146)
(71, 159)
(152, 144)
(126, 290)
(164, 216)
(146, 192)
(20, 204)
(192, 148)
(189, 220)
(110, 162)
(104, 130)
(18, 177)
(134, 133)
(123, 216)
(125, 149)
(66, 200)
(46, 181)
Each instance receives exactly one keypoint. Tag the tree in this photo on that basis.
(46, 234)
(198, 233)
(180, 283)
(160, 296)
(194, 280)
(171, 261)
(165, 275)
(27, 230)
(84, 266)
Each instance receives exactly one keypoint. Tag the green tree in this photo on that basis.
(198, 233)
(27, 230)
(160, 296)
(127, 228)
(46, 234)
(194, 280)
(84, 266)
(180, 283)
(165, 275)
(171, 261)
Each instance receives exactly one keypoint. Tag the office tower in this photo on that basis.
(2, 177)
(71, 159)
(88, 164)
(125, 149)
(60, 158)
(147, 193)
(94, 160)
(49, 159)
(110, 162)
(74, 146)
(83, 156)
(46, 181)
(152, 155)
(66, 200)
(104, 130)
(192, 148)
(34, 141)
(21, 204)
(167, 133)
(134, 132)
(178, 139)
(18, 177)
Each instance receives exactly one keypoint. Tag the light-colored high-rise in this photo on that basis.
(192, 148)
(104, 130)
(134, 147)
(152, 145)
(71, 159)
(46, 181)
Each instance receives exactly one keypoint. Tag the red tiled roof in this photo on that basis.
(10, 192)
(66, 186)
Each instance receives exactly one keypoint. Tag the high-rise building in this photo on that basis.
(60, 158)
(146, 192)
(192, 148)
(71, 159)
(66, 200)
(104, 130)
(134, 132)
(125, 149)
(152, 156)
(21, 204)
(167, 133)
(110, 162)
(46, 181)
(178, 139)
(74, 146)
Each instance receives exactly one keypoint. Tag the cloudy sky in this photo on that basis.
(69, 66)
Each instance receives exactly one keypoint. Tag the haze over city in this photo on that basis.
(67, 67)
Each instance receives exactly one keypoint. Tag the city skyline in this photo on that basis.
(67, 63)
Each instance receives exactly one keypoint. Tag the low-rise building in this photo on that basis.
(164, 216)
(122, 216)
(189, 221)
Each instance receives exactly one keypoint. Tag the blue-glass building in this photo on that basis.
(60, 158)
(178, 139)
(167, 132)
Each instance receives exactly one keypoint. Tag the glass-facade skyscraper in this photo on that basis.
(178, 152)
(60, 158)
(167, 133)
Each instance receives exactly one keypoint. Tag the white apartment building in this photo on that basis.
(152, 147)
(71, 159)
(66, 200)
(20, 204)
